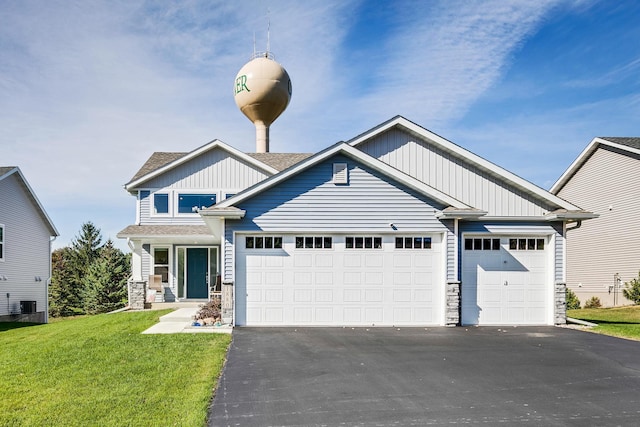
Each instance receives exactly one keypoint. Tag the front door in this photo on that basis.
(197, 266)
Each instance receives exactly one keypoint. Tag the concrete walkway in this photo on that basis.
(180, 320)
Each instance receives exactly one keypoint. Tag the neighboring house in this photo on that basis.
(604, 180)
(396, 227)
(26, 233)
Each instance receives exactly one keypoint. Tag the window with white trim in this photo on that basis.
(415, 242)
(481, 244)
(1, 242)
(263, 242)
(363, 242)
(160, 203)
(161, 263)
(314, 242)
(191, 202)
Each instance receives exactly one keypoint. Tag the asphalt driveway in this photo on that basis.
(541, 376)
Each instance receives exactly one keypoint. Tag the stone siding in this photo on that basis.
(452, 309)
(137, 294)
(560, 304)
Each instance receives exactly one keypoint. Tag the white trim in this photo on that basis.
(582, 159)
(203, 192)
(152, 207)
(460, 152)
(216, 143)
(354, 153)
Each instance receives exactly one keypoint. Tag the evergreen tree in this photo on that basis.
(85, 248)
(63, 298)
(105, 283)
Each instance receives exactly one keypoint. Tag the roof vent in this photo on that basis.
(340, 173)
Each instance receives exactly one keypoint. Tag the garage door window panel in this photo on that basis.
(314, 242)
(413, 242)
(363, 242)
(263, 242)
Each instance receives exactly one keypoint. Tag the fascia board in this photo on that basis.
(584, 156)
(573, 167)
(195, 153)
(467, 155)
(34, 198)
(356, 154)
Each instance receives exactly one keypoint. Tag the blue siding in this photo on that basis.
(311, 202)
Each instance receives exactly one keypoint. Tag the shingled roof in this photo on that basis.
(280, 161)
(633, 142)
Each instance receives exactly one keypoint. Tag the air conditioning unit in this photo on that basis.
(27, 307)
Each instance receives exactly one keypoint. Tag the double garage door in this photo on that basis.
(338, 280)
(506, 281)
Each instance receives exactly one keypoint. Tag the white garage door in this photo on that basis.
(505, 281)
(330, 280)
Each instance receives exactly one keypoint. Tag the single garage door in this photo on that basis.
(338, 280)
(506, 281)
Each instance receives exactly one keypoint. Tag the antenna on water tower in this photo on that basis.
(262, 91)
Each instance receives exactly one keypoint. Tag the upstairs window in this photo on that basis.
(1, 242)
(160, 203)
(191, 203)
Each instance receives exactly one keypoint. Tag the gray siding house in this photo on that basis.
(397, 226)
(26, 233)
(604, 253)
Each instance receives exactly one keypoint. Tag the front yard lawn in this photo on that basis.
(621, 322)
(99, 370)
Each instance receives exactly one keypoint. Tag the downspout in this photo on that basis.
(48, 283)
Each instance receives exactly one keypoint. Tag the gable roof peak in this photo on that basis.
(167, 161)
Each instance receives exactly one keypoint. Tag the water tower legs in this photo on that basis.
(262, 137)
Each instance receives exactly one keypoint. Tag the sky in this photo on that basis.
(89, 89)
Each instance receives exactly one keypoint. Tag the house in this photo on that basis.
(604, 253)
(26, 233)
(397, 226)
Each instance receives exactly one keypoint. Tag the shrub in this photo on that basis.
(631, 290)
(593, 302)
(573, 303)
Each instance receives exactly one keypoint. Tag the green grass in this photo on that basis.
(100, 371)
(621, 322)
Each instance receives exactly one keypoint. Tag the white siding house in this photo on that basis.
(26, 233)
(397, 226)
(604, 180)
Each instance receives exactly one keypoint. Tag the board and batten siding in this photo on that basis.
(26, 249)
(451, 175)
(215, 171)
(607, 184)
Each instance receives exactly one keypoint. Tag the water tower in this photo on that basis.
(262, 91)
